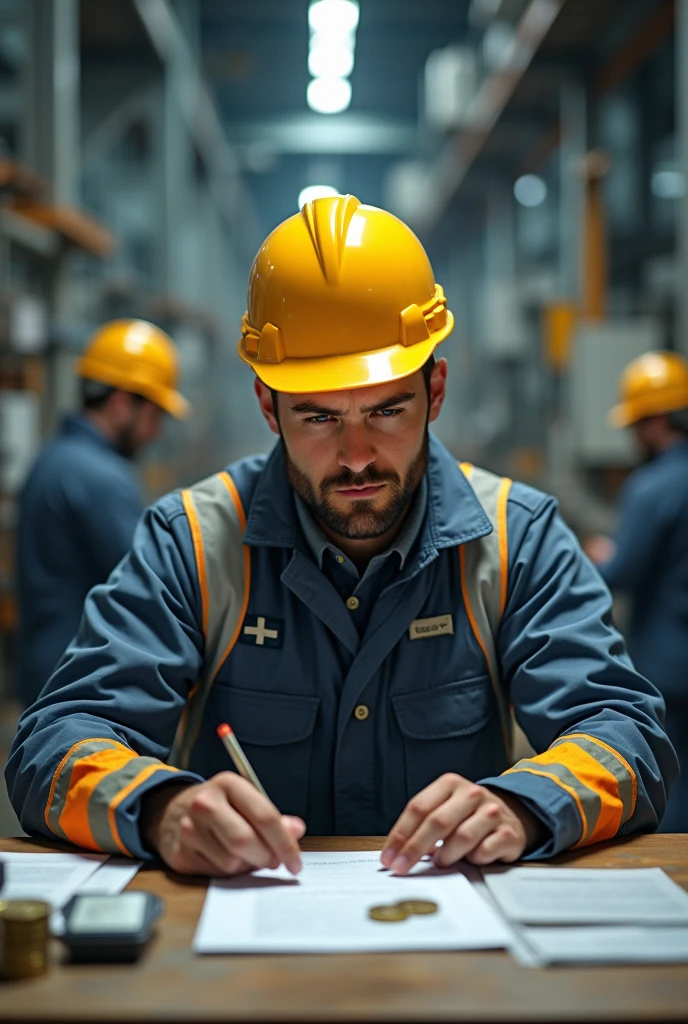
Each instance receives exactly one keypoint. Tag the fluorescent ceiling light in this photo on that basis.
(334, 17)
(330, 58)
(668, 184)
(530, 190)
(311, 192)
(328, 95)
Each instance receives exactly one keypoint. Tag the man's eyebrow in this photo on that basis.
(317, 410)
(325, 410)
(399, 399)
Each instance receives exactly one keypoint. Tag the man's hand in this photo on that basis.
(220, 827)
(474, 822)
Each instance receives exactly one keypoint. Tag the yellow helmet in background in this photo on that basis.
(653, 384)
(341, 296)
(138, 357)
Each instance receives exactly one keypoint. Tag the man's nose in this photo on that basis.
(356, 452)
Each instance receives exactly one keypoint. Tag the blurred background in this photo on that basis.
(539, 148)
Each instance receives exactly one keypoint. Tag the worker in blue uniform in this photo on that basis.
(648, 557)
(81, 501)
(363, 611)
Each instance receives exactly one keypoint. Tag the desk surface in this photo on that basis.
(171, 984)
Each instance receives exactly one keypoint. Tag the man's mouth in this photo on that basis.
(366, 491)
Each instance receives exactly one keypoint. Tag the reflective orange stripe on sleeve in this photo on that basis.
(87, 773)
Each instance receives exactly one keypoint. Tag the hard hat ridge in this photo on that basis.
(328, 221)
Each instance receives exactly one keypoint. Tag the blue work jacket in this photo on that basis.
(651, 565)
(100, 734)
(77, 515)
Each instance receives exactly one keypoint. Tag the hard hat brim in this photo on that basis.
(621, 416)
(167, 399)
(346, 372)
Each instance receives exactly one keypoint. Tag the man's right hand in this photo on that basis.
(220, 827)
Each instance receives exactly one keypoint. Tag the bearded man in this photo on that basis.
(363, 611)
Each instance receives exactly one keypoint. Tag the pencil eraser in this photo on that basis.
(223, 730)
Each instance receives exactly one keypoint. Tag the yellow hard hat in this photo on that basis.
(653, 384)
(341, 296)
(138, 357)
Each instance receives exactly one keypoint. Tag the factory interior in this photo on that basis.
(537, 148)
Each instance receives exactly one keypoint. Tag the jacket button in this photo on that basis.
(352, 603)
(361, 712)
(340, 559)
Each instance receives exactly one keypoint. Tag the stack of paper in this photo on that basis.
(593, 915)
(326, 910)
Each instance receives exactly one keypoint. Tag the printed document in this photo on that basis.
(53, 877)
(563, 896)
(325, 910)
(607, 945)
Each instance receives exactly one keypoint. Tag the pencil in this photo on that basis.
(241, 762)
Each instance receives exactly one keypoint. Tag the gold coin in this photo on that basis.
(420, 907)
(388, 912)
(24, 912)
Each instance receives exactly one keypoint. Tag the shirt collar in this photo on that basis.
(319, 543)
(452, 515)
(76, 425)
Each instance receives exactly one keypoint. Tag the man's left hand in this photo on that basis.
(472, 821)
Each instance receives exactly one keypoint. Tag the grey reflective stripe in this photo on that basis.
(613, 764)
(590, 801)
(59, 794)
(483, 584)
(105, 792)
(221, 528)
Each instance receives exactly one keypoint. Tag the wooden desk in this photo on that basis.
(171, 984)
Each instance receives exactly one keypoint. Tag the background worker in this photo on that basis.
(81, 501)
(648, 557)
(362, 610)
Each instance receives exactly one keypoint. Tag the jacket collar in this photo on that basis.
(76, 425)
(453, 515)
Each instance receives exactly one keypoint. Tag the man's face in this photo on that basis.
(650, 436)
(356, 457)
(139, 423)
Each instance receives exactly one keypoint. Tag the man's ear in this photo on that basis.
(438, 388)
(267, 404)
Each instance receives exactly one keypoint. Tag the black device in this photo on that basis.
(109, 929)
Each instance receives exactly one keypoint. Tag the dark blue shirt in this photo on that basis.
(77, 515)
(651, 565)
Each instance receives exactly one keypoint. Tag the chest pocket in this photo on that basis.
(275, 731)
(451, 728)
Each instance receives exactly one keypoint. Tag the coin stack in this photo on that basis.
(24, 931)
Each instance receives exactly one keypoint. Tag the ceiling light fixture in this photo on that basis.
(330, 58)
(335, 17)
(333, 26)
(328, 95)
(311, 192)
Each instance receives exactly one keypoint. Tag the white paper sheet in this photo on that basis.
(112, 877)
(53, 877)
(560, 896)
(325, 910)
(607, 945)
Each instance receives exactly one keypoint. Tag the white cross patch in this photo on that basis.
(260, 632)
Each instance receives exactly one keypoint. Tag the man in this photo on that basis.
(649, 557)
(81, 501)
(360, 617)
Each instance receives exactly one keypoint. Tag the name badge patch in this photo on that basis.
(437, 625)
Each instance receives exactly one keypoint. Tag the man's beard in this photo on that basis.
(126, 442)
(363, 522)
